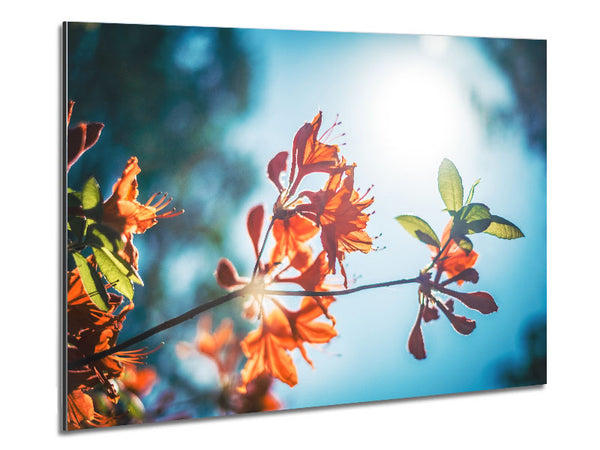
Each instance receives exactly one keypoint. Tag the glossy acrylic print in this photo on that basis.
(262, 220)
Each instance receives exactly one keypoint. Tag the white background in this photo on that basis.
(562, 413)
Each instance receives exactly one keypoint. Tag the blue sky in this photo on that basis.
(404, 103)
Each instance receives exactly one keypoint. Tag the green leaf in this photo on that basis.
(91, 200)
(466, 244)
(123, 266)
(92, 282)
(103, 236)
(450, 185)
(420, 229)
(503, 229)
(114, 272)
(472, 192)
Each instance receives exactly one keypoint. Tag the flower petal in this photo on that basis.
(430, 313)
(460, 323)
(275, 168)
(80, 139)
(469, 274)
(226, 275)
(416, 345)
(256, 216)
(479, 301)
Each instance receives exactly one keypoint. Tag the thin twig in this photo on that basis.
(248, 289)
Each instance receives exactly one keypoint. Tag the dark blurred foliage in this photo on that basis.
(168, 96)
(532, 370)
(524, 64)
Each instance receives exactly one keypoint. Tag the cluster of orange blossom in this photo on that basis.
(337, 214)
(311, 232)
(95, 314)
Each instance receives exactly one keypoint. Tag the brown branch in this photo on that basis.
(248, 289)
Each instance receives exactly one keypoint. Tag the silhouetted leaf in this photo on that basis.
(91, 282)
(466, 244)
(77, 226)
(450, 185)
(472, 218)
(420, 229)
(73, 199)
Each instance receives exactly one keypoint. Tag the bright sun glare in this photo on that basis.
(420, 108)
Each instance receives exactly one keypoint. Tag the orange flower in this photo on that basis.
(90, 331)
(313, 279)
(304, 328)
(291, 235)
(310, 154)
(453, 260)
(266, 348)
(218, 345)
(125, 214)
(81, 412)
(223, 347)
(281, 331)
(339, 210)
(140, 381)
